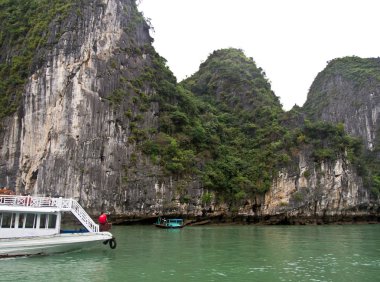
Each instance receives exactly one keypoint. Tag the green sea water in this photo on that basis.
(215, 253)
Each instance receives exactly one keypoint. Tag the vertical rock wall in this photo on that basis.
(73, 136)
(350, 95)
(67, 140)
(312, 192)
(357, 109)
(317, 190)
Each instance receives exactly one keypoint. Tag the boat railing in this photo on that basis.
(83, 217)
(60, 203)
(37, 202)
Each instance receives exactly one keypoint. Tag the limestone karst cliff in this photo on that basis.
(102, 119)
(348, 91)
(72, 136)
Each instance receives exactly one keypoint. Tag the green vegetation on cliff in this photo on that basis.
(225, 125)
(244, 121)
(24, 25)
(356, 69)
(221, 124)
(372, 161)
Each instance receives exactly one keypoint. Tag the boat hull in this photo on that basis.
(59, 243)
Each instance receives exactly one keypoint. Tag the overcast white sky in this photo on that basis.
(291, 40)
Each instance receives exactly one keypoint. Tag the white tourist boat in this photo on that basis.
(32, 225)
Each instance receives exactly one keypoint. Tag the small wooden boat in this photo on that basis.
(32, 225)
(170, 223)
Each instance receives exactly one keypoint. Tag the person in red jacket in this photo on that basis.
(103, 222)
(102, 218)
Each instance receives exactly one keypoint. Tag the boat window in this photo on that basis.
(21, 220)
(43, 218)
(7, 220)
(13, 220)
(52, 220)
(30, 220)
(3, 220)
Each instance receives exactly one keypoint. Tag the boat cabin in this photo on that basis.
(169, 223)
(25, 216)
(25, 223)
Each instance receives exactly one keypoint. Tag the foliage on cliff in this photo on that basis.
(356, 69)
(372, 164)
(244, 121)
(225, 125)
(24, 25)
(228, 133)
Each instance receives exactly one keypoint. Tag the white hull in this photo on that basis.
(53, 243)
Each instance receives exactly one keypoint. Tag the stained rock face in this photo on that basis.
(66, 126)
(348, 92)
(329, 191)
(326, 189)
(73, 136)
(68, 139)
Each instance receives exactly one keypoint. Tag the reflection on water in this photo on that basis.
(75, 266)
(215, 253)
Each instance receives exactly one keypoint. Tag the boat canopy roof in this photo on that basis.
(34, 204)
(175, 220)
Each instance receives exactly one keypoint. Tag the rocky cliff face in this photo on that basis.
(322, 192)
(88, 103)
(348, 92)
(309, 193)
(60, 129)
(72, 136)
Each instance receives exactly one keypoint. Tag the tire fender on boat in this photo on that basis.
(112, 243)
